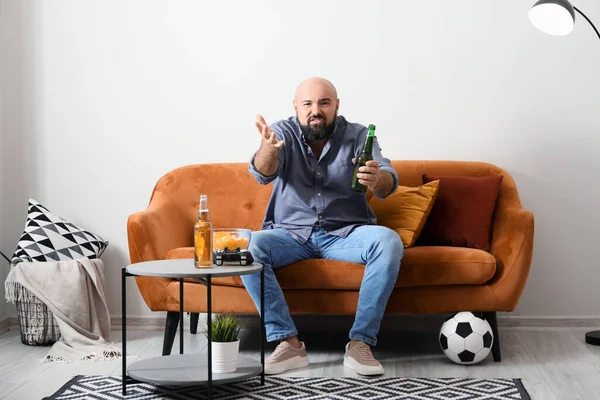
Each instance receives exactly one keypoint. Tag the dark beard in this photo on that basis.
(314, 133)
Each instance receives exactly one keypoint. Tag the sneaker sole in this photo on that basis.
(362, 369)
(287, 365)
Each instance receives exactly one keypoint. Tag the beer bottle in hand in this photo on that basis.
(365, 155)
(203, 236)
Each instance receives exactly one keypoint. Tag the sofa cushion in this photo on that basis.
(406, 210)
(49, 237)
(421, 266)
(463, 212)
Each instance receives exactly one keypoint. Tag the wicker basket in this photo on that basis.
(36, 322)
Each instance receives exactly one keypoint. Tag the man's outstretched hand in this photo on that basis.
(268, 136)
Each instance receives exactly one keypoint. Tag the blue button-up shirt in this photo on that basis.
(308, 192)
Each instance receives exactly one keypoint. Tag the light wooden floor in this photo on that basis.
(553, 364)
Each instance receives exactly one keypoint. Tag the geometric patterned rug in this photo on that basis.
(109, 387)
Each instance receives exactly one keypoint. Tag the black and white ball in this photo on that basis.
(466, 338)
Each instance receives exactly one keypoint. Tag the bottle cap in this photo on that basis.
(371, 126)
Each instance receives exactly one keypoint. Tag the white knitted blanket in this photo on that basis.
(74, 291)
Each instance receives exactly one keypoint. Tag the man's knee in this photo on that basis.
(257, 240)
(390, 245)
(393, 240)
(258, 246)
(394, 244)
(265, 246)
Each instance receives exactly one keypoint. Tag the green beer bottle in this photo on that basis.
(365, 155)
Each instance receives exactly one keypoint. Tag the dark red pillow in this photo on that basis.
(462, 213)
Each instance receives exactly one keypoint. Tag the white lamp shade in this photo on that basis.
(554, 17)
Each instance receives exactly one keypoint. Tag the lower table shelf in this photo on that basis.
(188, 370)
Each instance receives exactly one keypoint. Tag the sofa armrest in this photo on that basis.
(151, 234)
(156, 230)
(512, 245)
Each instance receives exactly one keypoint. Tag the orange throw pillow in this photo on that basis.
(406, 210)
(463, 212)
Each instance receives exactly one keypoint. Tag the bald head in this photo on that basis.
(314, 84)
(316, 104)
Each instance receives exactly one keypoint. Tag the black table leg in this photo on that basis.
(123, 328)
(180, 315)
(262, 325)
(209, 323)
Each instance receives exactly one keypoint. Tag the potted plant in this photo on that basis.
(225, 342)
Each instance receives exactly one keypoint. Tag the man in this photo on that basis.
(313, 213)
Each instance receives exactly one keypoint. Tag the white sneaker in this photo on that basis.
(360, 359)
(285, 357)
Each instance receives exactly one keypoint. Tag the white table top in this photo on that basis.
(184, 268)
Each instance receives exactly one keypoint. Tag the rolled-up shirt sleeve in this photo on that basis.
(264, 179)
(384, 165)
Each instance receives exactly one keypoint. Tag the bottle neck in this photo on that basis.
(368, 147)
(203, 215)
(203, 208)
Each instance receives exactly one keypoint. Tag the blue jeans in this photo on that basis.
(378, 247)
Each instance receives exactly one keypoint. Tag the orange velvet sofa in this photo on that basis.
(432, 279)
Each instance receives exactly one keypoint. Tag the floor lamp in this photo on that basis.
(557, 17)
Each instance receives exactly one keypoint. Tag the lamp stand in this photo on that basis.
(592, 337)
(4, 256)
(588, 20)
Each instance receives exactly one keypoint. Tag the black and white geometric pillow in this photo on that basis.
(48, 237)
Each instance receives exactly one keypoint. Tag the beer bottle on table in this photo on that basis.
(365, 155)
(203, 236)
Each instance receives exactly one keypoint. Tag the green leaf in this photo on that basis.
(225, 328)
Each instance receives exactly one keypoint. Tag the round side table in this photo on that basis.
(188, 369)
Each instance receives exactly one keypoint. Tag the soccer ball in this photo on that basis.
(466, 338)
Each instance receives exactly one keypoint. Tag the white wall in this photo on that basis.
(102, 97)
(19, 124)
(3, 265)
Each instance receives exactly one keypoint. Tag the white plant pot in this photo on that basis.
(225, 356)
